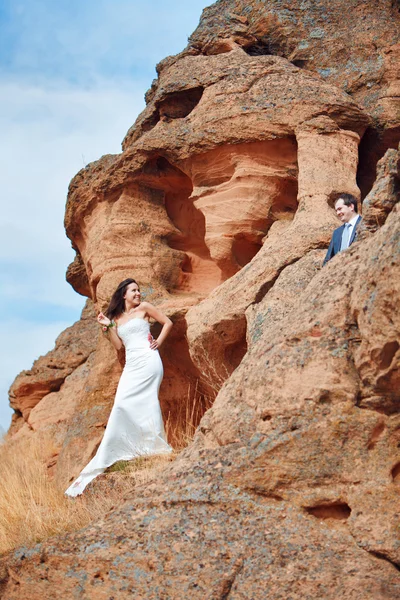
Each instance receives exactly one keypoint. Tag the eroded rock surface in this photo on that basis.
(49, 372)
(385, 193)
(291, 484)
(199, 187)
(221, 206)
(354, 45)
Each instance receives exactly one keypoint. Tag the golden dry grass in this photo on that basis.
(33, 506)
(181, 426)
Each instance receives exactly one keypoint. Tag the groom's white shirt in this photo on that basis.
(351, 225)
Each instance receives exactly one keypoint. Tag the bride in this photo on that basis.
(135, 426)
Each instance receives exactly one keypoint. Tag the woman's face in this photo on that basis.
(132, 294)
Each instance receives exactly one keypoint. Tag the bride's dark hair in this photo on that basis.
(117, 302)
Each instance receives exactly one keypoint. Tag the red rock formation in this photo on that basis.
(221, 206)
(291, 485)
(199, 185)
(382, 198)
(49, 373)
(353, 45)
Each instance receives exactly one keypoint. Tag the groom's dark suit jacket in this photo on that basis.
(336, 241)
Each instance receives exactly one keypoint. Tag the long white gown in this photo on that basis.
(135, 426)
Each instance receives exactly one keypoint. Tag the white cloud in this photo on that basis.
(48, 135)
(95, 38)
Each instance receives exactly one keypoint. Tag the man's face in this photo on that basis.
(345, 213)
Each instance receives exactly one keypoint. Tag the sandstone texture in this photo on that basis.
(48, 374)
(352, 44)
(292, 482)
(221, 206)
(385, 193)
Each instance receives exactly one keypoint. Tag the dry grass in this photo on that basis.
(181, 426)
(33, 506)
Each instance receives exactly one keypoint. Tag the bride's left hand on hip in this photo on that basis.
(153, 342)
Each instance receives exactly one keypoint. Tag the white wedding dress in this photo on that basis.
(135, 426)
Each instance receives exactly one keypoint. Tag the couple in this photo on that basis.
(135, 426)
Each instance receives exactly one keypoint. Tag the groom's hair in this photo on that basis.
(348, 200)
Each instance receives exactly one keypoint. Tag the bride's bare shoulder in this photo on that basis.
(146, 305)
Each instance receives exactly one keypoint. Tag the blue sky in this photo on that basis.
(73, 74)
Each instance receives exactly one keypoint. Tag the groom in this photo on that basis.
(347, 211)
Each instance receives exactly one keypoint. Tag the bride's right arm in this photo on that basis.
(114, 338)
(111, 328)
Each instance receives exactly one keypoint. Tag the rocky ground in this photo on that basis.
(226, 183)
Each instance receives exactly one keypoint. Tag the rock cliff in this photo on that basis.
(220, 204)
